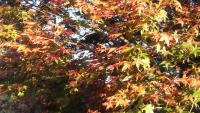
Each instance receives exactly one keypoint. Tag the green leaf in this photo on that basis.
(196, 94)
(166, 63)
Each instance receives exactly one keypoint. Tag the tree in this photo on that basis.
(101, 55)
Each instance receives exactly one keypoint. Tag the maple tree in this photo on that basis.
(137, 56)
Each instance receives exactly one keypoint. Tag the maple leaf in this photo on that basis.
(126, 66)
(166, 38)
(158, 47)
(143, 60)
(180, 21)
(113, 36)
(148, 108)
(181, 80)
(122, 102)
(140, 10)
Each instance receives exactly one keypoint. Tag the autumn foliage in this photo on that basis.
(100, 56)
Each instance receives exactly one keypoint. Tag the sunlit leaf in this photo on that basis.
(148, 108)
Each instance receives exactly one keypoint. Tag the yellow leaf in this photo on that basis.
(111, 50)
(158, 47)
(148, 108)
(141, 90)
(20, 94)
(126, 66)
(140, 10)
(166, 38)
(122, 102)
(177, 4)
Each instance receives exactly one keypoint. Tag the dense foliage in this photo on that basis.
(78, 56)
